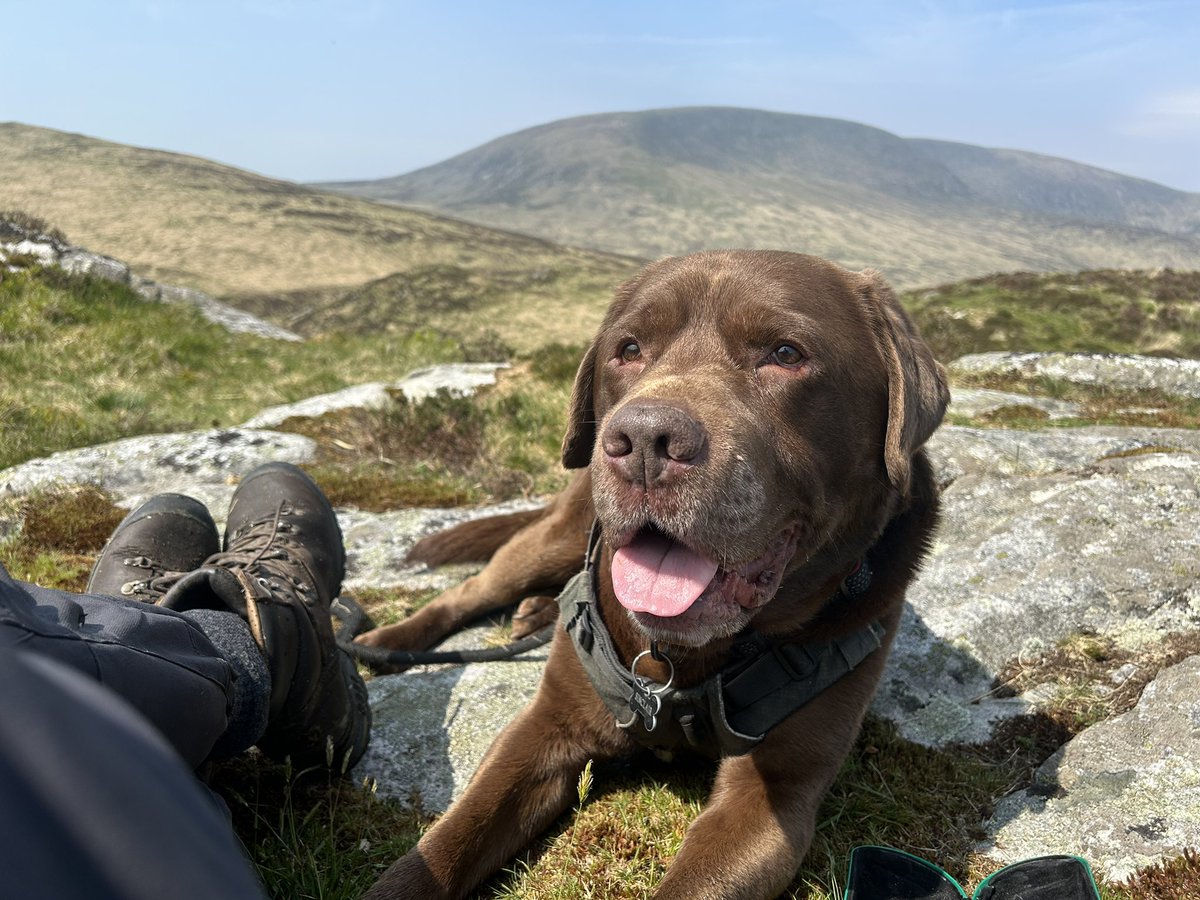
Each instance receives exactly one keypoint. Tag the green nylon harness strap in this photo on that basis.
(729, 713)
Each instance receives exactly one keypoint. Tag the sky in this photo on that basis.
(312, 90)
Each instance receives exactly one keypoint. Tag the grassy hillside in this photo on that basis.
(483, 305)
(84, 361)
(671, 181)
(282, 250)
(1108, 311)
(1033, 183)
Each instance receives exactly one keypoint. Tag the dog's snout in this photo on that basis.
(652, 443)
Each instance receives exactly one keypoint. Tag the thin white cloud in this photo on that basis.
(1171, 114)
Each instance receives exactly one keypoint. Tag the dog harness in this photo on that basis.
(729, 713)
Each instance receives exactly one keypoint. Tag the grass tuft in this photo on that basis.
(311, 835)
(1178, 879)
(1099, 405)
(70, 519)
(62, 531)
(447, 450)
(1093, 678)
(16, 223)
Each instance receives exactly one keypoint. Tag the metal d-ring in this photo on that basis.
(657, 654)
(646, 701)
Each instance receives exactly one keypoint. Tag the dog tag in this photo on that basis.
(643, 702)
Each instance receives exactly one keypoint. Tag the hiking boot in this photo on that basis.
(167, 535)
(280, 569)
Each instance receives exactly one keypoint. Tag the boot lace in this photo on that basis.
(261, 549)
(158, 579)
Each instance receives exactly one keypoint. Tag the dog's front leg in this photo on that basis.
(759, 821)
(538, 558)
(527, 779)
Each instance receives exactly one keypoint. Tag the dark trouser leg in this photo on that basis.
(160, 662)
(96, 805)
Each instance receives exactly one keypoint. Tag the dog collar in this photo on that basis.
(729, 713)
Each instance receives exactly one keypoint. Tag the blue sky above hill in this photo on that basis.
(322, 90)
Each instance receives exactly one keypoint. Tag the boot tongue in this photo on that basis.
(211, 587)
(657, 575)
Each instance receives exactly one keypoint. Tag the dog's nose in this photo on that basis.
(651, 444)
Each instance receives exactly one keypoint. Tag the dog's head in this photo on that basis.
(744, 413)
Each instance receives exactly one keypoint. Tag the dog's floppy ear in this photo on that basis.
(917, 390)
(581, 422)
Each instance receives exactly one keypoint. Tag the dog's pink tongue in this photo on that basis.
(659, 576)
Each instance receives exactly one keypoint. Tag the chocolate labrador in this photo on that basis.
(752, 506)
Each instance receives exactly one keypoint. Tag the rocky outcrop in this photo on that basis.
(204, 464)
(207, 465)
(957, 452)
(1173, 377)
(1044, 535)
(1124, 794)
(975, 402)
(20, 246)
(214, 310)
(433, 724)
(456, 378)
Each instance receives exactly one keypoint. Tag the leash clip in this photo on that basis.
(646, 701)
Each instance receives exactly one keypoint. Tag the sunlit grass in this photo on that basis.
(87, 361)
(1108, 311)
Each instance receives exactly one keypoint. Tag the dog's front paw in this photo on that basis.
(408, 878)
(383, 639)
(533, 614)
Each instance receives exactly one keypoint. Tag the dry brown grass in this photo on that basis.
(1178, 879)
(1081, 671)
(189, 221)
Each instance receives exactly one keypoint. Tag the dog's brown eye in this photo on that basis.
(631, 352)
(786, 355)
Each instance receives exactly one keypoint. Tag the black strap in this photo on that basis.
(791, 674)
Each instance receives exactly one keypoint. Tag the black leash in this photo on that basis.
(354, 621)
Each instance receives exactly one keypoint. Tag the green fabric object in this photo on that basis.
(884, 873)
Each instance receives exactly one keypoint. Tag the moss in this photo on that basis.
(69, 519)
(1099, 405)
(62, 532)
